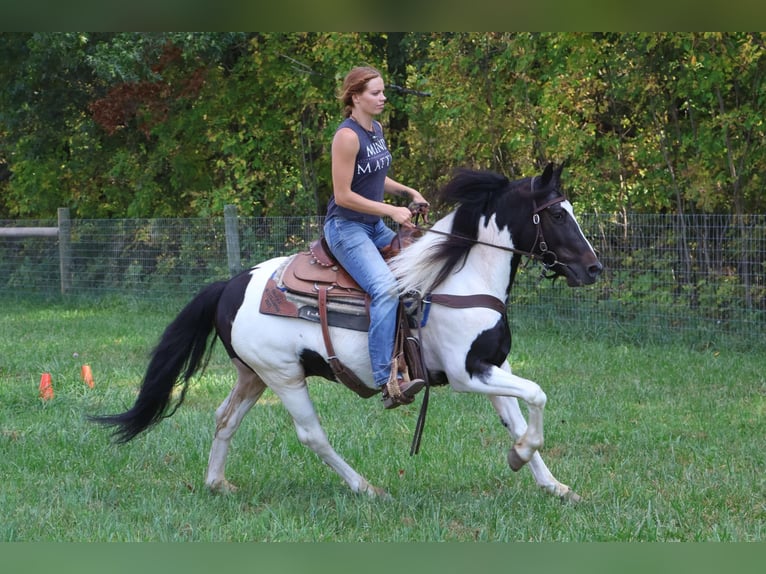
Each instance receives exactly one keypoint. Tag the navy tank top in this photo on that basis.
(370, 171)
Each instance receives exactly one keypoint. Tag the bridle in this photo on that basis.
(547, 257)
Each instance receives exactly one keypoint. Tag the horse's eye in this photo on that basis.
(557, 215)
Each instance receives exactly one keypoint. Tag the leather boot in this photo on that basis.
(400, 392)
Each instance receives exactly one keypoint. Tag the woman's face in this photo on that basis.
(372, 100)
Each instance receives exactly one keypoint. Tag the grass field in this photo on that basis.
(664, 443)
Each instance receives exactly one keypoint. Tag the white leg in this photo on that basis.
(228, 416)
(296, 399)
(501, 382)
(512, 419)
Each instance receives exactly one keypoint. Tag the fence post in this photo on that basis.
(232, 238)
(65, 249)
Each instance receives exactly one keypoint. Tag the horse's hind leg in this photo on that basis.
(228, 416)
(513, 419)
(310, 432)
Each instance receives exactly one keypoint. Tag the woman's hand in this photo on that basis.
(417, 198)
(419, 207)
(401, 215)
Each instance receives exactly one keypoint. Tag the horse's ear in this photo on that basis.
(545, 178)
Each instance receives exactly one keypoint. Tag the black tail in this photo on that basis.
(182, 350)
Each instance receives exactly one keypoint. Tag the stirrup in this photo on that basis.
(398, 392)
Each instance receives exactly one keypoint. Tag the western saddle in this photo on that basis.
(312, 285)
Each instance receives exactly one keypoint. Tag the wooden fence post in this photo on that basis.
(65, 249)
(232, 238)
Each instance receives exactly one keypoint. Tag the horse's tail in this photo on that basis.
(182, 350)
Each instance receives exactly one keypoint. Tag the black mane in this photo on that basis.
(477, 193)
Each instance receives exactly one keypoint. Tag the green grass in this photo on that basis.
(664, 443)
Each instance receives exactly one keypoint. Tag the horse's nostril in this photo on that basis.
(595, 269)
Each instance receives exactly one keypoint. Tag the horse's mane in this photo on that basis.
(431, 259)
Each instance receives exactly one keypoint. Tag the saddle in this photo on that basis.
(314, 286)
(316, 269)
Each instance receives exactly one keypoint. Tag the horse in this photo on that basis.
(463, 266)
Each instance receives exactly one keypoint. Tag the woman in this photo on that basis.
(354, 230)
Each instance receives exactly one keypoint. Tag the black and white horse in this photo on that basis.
(474, 250)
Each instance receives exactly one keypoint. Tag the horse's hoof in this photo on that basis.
(514, 460)
(570, 497)
(380, 493)
(222, 487)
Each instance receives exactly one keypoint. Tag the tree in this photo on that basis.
(180, 124)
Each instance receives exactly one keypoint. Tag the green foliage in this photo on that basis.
(181, 124)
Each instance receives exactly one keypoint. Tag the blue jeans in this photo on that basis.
(356, 246)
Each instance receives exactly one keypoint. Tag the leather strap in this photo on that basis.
(547, 204)
(322, 296)
(343, 375)
(468, 301)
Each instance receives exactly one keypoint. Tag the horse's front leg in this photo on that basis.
(493, 380)
(513, 420)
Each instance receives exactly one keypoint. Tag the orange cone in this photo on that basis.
(46, 387)
(87, 375)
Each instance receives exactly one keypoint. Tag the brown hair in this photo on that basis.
(354, 83)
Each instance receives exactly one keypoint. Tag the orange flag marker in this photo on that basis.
(46, 387)
(87, 375)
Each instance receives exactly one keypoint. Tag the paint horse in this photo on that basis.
(462, 267)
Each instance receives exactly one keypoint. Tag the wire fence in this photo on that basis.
(699, 276)
(664, 275)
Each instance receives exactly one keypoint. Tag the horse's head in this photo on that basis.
(552, 233)
(528, 216)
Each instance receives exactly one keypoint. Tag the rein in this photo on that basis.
(546, 257)
(478, 242)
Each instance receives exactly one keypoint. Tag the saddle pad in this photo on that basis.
(276, 300)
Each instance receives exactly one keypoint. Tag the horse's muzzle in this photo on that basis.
(578, 276)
